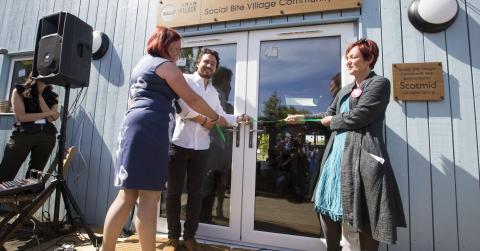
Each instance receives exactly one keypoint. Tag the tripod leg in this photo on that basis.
(27, 211)
(58, 195)
(69, 200)
(56, 213)
(8, 217)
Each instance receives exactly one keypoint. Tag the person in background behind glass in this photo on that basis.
(220, 153)
(335, 85)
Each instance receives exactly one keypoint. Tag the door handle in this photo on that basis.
(250, 136)
(237, 132)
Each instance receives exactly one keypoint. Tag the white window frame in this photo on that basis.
(10, 73)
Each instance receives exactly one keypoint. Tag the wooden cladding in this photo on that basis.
(175, 13)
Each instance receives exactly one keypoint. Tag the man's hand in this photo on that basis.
(208, 125)
(221, 121)
(244, 119)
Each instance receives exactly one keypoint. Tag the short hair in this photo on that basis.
(211, 52)
(160, 40)
(368, 48)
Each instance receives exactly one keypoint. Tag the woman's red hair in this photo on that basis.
(160, 40)
(368, 48)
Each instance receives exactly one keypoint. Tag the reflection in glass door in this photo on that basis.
(216, 186)
(289, 156)
(220, 212)
(295, 72)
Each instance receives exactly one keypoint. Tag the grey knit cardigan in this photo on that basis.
(370, 197)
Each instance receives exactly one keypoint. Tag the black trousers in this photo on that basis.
(191, 163)
(39, 145)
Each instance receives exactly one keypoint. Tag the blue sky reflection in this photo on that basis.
(299, 68)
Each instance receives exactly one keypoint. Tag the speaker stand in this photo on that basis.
(62, 191)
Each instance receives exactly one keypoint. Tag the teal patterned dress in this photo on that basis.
(328, 198)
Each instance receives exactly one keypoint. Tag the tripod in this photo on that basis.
(60, 186)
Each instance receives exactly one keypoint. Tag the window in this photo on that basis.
(20, 68)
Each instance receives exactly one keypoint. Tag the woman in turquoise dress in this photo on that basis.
(356, 184)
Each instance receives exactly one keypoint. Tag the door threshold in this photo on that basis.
(233, 244)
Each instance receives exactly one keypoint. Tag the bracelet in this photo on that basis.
(204, 121)
(218, 117)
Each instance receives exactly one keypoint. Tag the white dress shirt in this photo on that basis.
(188, 133)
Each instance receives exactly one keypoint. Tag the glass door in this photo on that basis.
(260, 178)
(290, 71)
(222, 188)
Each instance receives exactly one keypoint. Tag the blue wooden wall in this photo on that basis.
(434, 146)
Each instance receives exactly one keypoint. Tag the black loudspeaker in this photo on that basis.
(63, 50)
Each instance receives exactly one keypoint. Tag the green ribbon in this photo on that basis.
(220, 133)
(283, 120)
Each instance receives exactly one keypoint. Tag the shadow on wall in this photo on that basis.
(457, 34)
(110, 67)
(438, 196)
(87, 178)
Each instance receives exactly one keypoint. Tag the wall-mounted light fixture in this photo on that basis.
(3, 51)
(432, 15)
(100, 44)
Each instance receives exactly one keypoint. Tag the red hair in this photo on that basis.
(160, 40)
(368, 48)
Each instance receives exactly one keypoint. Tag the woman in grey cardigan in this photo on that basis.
(356, 184)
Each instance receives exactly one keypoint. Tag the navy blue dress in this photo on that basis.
(142, 155)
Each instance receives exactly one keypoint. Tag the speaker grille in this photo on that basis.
(63, 50)
(49, 51)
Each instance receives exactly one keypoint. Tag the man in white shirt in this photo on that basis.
(189, 152)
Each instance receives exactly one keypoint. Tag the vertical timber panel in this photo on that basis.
(97, 16)
(29, 30)
(464, 132)
(94, 12)
(396, 130)
(118, 93)
(99, 110)
(473, 11)
(102, 153)
(151, 21)
(441, 154)
(6, 25)
(421, 222)
(371, 23)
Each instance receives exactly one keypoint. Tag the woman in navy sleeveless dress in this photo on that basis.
(144, 137)
(142, 155)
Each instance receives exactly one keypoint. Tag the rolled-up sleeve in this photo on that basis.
(187, 112)
(230, 118)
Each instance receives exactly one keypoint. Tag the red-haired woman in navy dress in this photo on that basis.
(142, 155)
